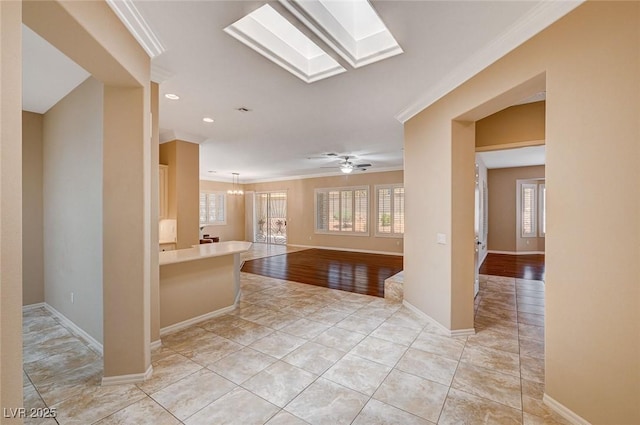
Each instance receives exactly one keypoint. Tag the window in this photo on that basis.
(390, 210)
(342, 210)
(528, 210)
(212, 208)
(542, 210)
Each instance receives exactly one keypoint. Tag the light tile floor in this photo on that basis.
(299, 354)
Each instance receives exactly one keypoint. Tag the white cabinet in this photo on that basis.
(163, 182)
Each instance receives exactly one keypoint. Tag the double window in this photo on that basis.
(212, 208)
(342, 210)
(346, 210)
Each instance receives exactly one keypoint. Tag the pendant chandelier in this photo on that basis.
(236, 189)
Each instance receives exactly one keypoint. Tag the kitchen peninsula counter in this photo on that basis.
(199, 283)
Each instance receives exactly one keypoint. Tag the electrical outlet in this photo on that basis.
(72, 298)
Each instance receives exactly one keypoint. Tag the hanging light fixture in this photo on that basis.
(235, 190)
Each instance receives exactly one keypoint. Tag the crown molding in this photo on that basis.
(538, 18)
(137, 26)
(301, 176)
(171, 135)
(159, 75)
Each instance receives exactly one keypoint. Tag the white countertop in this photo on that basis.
(206, 250)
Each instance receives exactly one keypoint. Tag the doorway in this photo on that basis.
(480, 221)
(271, 217)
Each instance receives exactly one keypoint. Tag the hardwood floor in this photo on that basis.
(348, 271)
(366, 273)
(519, 266)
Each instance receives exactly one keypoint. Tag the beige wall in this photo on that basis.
(462, 210)
(10, 207)
(520, 123)
(503, 226)
(72, 237)
(167, 155)
(300, 211)
(126, 230)
(589, 62)
(183, 161)
(196, 288)
(155, 205)
(93, 36)
(234, 229)
(32, 212)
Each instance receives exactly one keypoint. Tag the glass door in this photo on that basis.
(271, 218)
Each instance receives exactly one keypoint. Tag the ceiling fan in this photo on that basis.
(347, 165)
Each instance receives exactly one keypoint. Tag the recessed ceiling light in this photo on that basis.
(207, 119)
(353, 29)
(270, 34)
(211, 172)
(172, 96)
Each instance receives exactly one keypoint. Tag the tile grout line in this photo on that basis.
(519, 350)
(454, 376)
(359, 306)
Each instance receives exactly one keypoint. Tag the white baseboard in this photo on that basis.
(133, 378)
(333, 248)
(515, 252)
(156, 344)
(448, 332)
(463, 332)
(29, 307)
(91, 341)
(185, 324)
(563, 411)
(484, 257)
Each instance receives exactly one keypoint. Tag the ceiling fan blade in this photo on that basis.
(363, 165)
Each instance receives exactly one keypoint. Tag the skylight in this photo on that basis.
(270, 34)
(351, 27)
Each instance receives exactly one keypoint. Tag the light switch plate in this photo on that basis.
(442, 239)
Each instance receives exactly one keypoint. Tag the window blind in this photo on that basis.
(390, 210)
(212, 208)
(342, 210)
(528, 210)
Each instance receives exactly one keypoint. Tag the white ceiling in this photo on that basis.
(47, 74)
(355, 113)
(521, 157)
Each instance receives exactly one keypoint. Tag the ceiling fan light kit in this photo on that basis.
(346, 168)
(346, 164)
